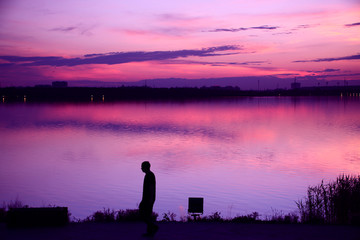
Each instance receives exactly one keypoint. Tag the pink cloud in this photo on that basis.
(300, 31)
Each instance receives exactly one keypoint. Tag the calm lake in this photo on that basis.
(241, 155)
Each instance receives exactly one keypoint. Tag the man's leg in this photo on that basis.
(152, 228)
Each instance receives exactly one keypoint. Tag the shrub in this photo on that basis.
(336, 202)
(280, 217)
(291, 218)
(253, 217)
(16, 204)
(215, 217)
(169, 217)
(128, 215)
(106, 215)
(11, 205)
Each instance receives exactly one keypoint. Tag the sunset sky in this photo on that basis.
(111, 40)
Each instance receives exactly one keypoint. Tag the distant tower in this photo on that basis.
(295, 85)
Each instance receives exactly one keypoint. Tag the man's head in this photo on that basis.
(145, 166)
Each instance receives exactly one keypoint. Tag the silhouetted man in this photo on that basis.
(148, 199)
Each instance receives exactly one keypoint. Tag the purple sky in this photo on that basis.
(113, 41)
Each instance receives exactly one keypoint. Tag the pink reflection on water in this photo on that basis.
(242, 155)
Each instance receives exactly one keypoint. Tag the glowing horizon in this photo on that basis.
(129, 41)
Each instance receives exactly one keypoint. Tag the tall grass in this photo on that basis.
(14, 204)
(108, 215)
(169, 217)
(337, 202)
(11, 205)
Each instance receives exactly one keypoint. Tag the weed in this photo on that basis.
(169, 217)
(336, 202)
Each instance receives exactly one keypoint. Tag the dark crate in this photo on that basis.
(30, 217)
(196, 205)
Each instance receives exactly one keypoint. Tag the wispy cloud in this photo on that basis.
(303, 26)
(352, 57)
(297, 28)
(328, 70)
(264, 27)
(177, 18)
(158, 32)
(63, 29)
(187, 62)
(121, 57)
(80, 29)
(337, 75)
(283, 33)
(352, 24)
(16, 59)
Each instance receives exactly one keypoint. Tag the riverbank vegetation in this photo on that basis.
(130, 215)
(336, 202)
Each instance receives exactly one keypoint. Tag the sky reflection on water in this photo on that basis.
(241, 155)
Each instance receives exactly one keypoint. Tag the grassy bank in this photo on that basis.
(336, 202)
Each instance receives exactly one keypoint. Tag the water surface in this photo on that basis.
(241, 155)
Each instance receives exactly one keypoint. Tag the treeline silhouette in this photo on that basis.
(87, 94)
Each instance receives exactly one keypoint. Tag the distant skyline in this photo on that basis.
(128, 41)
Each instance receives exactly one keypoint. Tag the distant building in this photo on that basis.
(59, 84)
(295, 85)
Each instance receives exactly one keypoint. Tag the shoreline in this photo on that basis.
(93, 94)
(184, 230)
